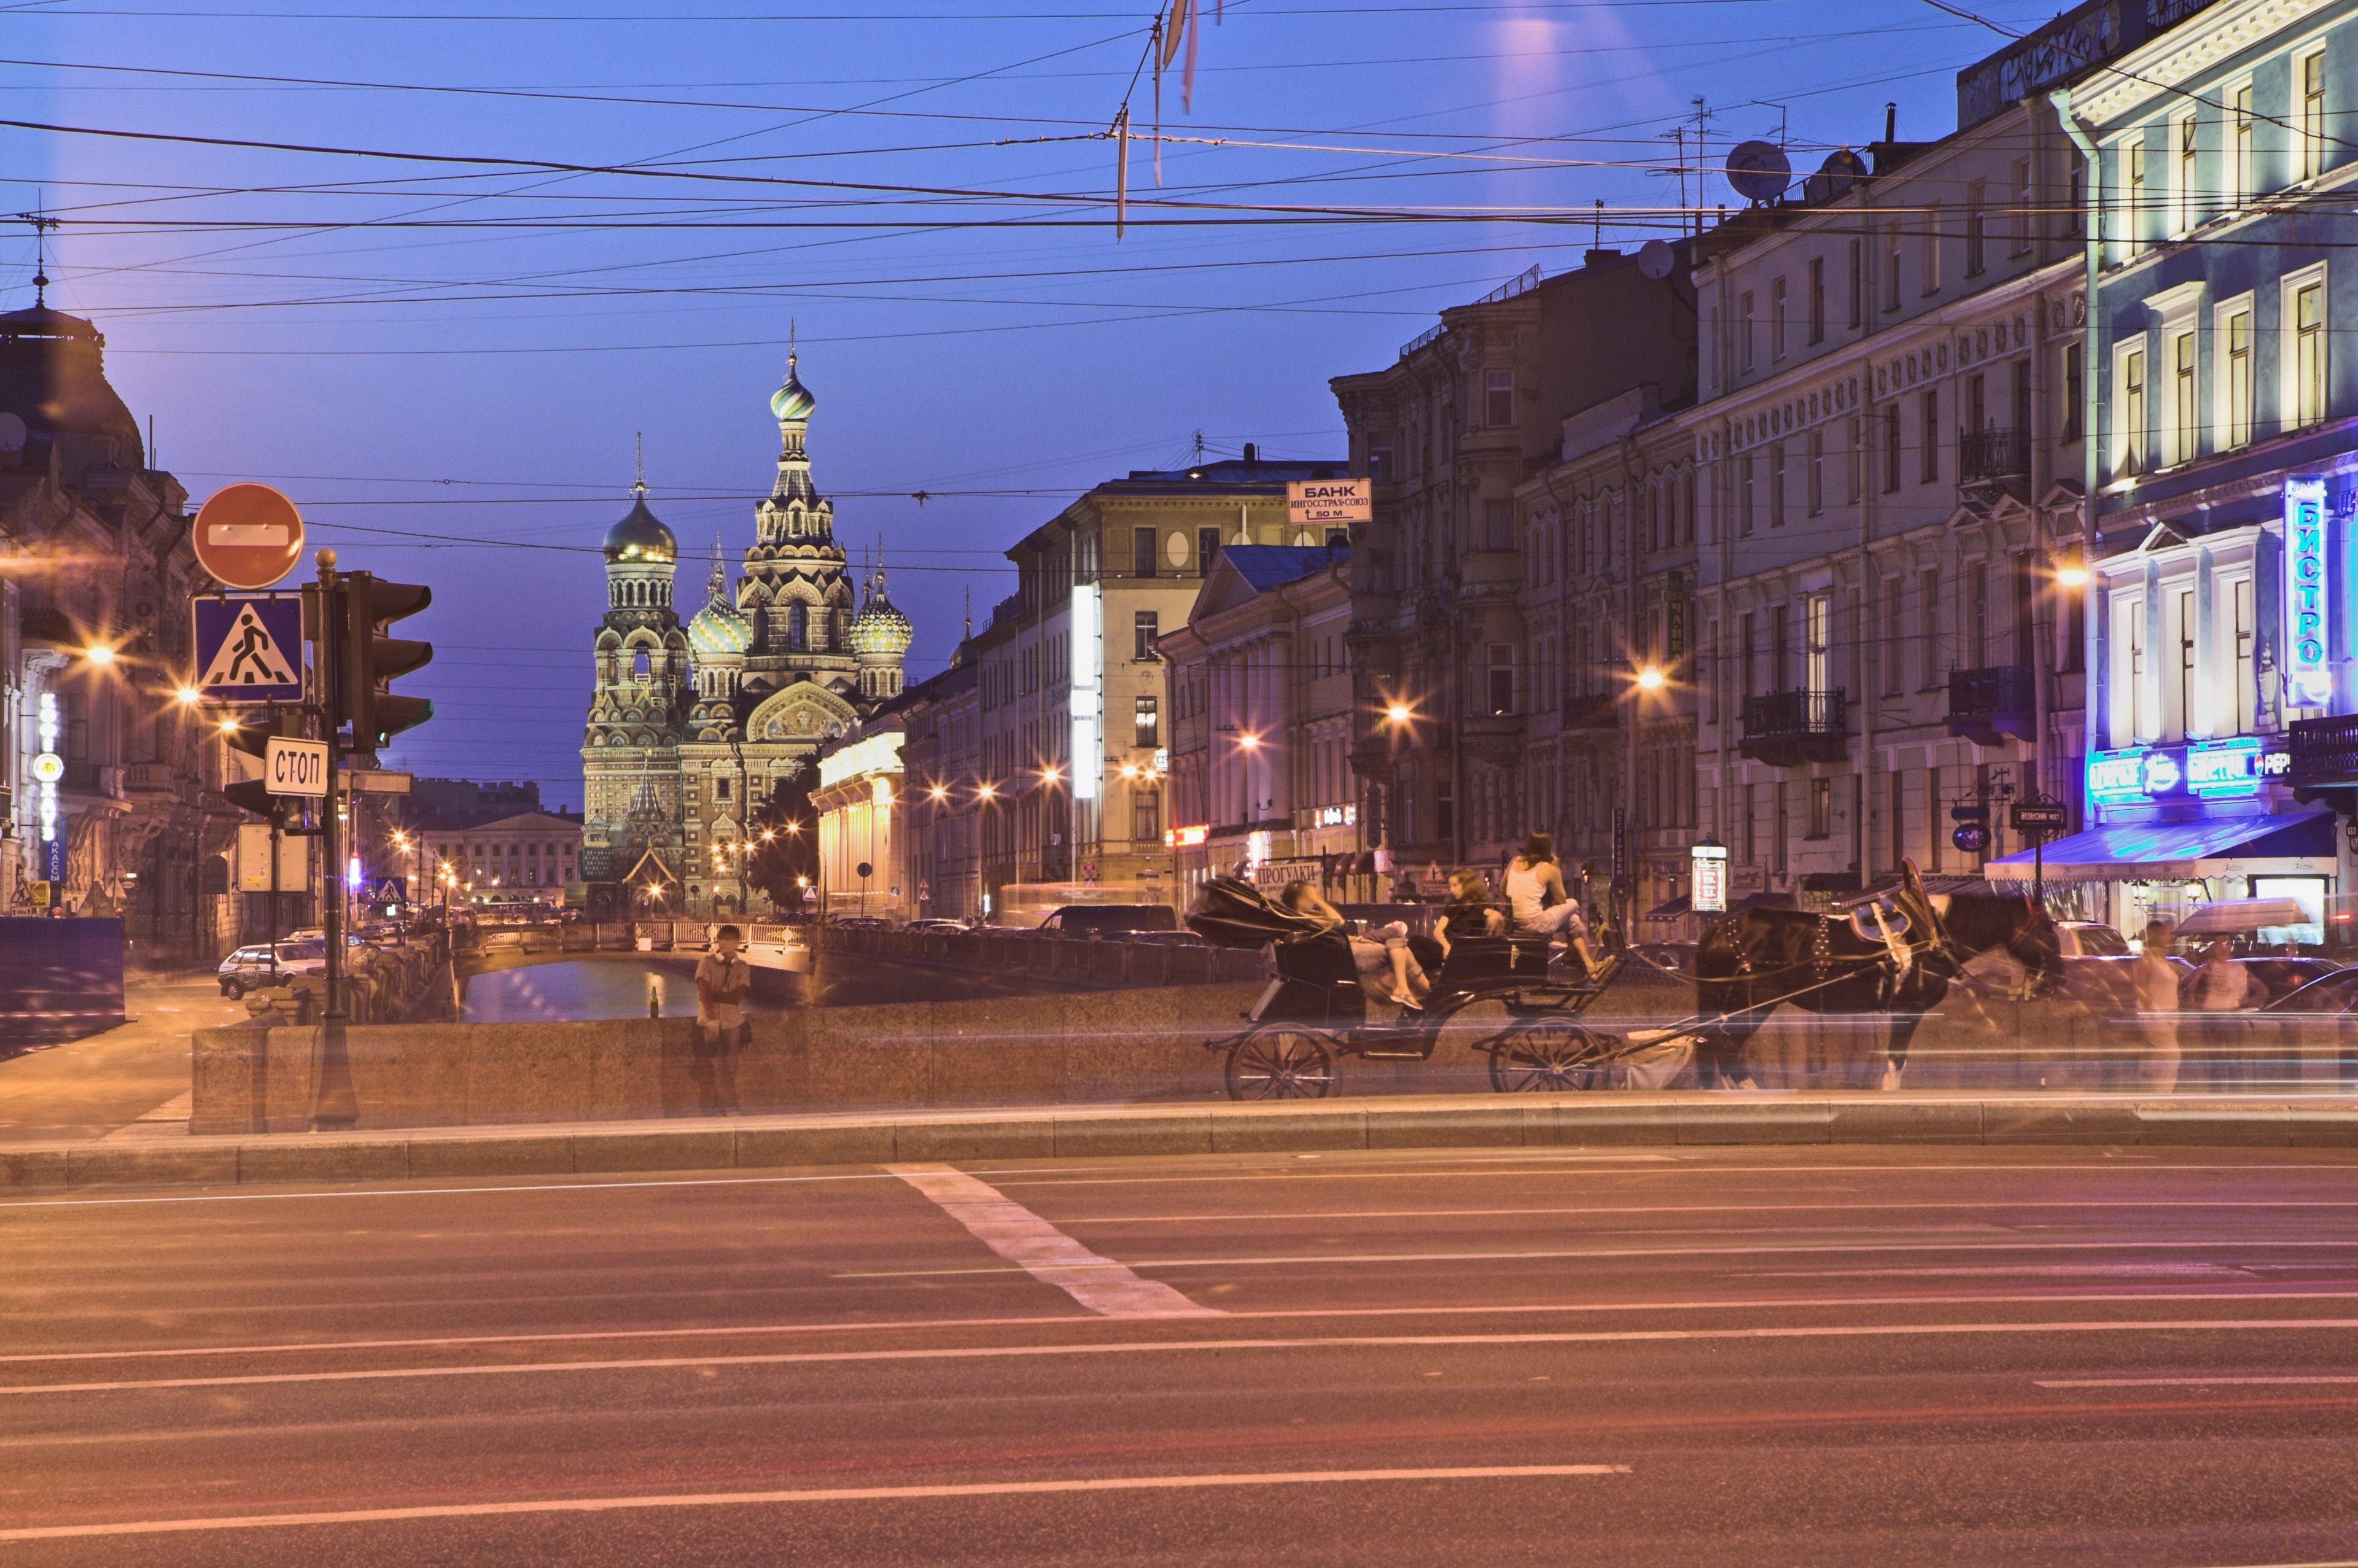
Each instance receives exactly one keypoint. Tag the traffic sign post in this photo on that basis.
(297, 767)
(2035, 819)
(249, 648)
(248, 535)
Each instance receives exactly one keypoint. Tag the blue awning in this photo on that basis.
(2178, 851)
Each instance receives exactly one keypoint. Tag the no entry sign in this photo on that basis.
(248, 535)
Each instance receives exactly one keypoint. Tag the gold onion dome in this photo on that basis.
(879, 628)
(641, 536)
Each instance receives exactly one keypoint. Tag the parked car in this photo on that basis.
(2333, 992)
(1111, 919)
(937, 925)
(2090, 939)
(249, 969)
(1678, 957)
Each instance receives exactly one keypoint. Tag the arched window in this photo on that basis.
(640, 666)
(797, 625)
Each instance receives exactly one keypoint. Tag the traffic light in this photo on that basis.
(372, 660)
(251, 736)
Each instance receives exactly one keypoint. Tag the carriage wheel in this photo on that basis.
(1548, 1055)
(1281, 1060)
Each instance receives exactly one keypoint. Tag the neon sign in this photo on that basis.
(2308, 683)
(2232, 769)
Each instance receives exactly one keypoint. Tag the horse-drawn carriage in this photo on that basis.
(1502, 996)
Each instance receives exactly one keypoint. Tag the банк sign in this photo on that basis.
(1314, 503)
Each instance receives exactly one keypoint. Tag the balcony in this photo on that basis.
(1786, 728)
(1593, 710)
(1992, 456)
(1986, 706)
(1494, 738)
(150, 779)
(2324, 754)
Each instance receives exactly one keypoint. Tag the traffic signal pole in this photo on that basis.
(333, 1106)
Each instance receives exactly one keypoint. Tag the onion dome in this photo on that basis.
(640, 537)
(879, 628)
(718, 629)
(793, 400)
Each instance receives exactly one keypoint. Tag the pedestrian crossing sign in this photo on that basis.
(250, 648)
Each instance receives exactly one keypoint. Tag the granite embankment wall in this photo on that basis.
(1126, 1046)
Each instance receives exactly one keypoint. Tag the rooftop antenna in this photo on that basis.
(1598, 242)
(42, 223)
(969, 614)
(639, 484)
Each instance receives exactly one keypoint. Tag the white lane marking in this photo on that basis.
(2175, 1382)
(1258, 1262)
(1045, 1252)
(1606, 1211)
(1150, 1346)
(1509, 1309)
(1694, 1163)
(832, 1494)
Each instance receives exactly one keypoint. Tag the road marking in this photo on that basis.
(1143, 1346)
(2178, 1382)
(1045, 1252)
(835, 1494)
(1509, 1309)
(1606, 1211)
(1258, 1262)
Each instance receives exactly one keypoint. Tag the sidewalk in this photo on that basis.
(87, 1089)
(1617, 1119)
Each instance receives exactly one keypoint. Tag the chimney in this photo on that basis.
(1252, 452)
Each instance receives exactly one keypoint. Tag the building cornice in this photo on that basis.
(2185, 50)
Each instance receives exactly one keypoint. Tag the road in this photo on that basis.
(87, 1089)
(1767, 1358)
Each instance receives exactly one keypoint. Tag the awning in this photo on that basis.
(1674, 910)
(2176, 851)
(2243, 915)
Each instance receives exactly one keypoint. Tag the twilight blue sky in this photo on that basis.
(465, 350)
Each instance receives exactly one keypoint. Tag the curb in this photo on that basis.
(1423, 1121)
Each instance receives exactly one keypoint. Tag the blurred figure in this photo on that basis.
(2156, 1002)
(1469, 911)
(722, 979)
(2220, 985)
(2223, 985)
(1388, 970)
(1537, 903)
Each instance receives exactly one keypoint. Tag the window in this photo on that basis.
(1777, 845)
(1891, 449)
(2140, 712)
(1145, 625)
(1653, 517)
(1744, 498)
(1821, 808)
(1892, 245)
(640, 666)
(1932, 814)
(797, 625)
(1929, 673)
(1748, 652)
(1856, 295)
(2023, 198)
(2075, 392)
(2022, 402)
(1444, 810)
(1852, 459)
(2246, 683)
(1499, 398)
(1498, 524)
(2183, 418)
(2129, 456)
(1776, 317)
(2133, 191)
(2235, 379)
(1750, 825)
(1929, 463)
(1777, 485)
(1817, 300)
(720, 789)
(1781, 647)
(2240, 182)
(1978, 616)
(1817, 478)
(1208, 550)
(2185, 193)
(1143, 548)
(1687, 509)
(1818, 649)
(1895, 637)
(1976, 227)
(2182, 626)
(1744, 331)
(1380, 463)
(1145, 816)
(2308, 352)
(2310, 75)
(1932, 247)
(1502, 678)
(1147, 721)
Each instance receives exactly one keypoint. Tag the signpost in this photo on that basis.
(2036, 818)
(249, 648)
(248, 535)
(1319, 502)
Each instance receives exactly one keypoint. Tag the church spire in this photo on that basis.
(717, 583)
(639, 479)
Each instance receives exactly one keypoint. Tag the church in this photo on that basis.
(691, 724)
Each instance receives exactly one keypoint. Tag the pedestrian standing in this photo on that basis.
(2223, 985)
(2156, 1002)
(722, 979)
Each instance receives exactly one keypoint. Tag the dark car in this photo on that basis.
(2334, 992)
(1111, 919)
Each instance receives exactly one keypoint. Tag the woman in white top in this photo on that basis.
(1537, 903)
(2156, 1002)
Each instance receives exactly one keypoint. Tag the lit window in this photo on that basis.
(2309, 355)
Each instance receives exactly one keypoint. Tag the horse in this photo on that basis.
(1897, 956)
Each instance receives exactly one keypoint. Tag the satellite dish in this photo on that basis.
(1656, 258)
(12, 433)
(1759, 171)
(1841, 171)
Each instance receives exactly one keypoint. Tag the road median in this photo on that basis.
(1391, 1123)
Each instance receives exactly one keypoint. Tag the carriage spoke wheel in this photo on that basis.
(1281, 1062)
(1549, 1055)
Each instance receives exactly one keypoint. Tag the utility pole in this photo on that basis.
(333, 1104)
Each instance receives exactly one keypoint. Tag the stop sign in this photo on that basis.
(248, 535)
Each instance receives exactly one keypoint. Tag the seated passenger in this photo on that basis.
(1468, 911)
(1538, 905)
(1387, 971)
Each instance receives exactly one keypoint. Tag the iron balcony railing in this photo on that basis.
(1784, 728)
(2324, 751)
(1993, 453)
(1990, 704)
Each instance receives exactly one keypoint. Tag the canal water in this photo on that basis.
(586, 987)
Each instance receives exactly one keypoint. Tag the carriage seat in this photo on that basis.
(1475, 962)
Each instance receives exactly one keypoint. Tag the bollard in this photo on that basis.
(655, 997)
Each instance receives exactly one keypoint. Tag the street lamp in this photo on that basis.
(1399, 713)
(1651, 679)
(99, 653)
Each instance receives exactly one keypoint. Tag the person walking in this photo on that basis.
(722, 979)
(2156, 1002)
(1537, 903)
(2223, 985)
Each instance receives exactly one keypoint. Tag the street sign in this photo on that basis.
(40, 892)
(53, 859)
(254, 860)
(295, 767)
(1312, 502)
(248, 535)
(249, 648)
(2039, 818)
(376, 781)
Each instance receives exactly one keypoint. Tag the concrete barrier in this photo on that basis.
(1582, 1121)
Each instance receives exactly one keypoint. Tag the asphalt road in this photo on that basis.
(1756, 1358)
(87, 1089)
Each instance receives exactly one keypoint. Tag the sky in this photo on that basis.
(605, 220)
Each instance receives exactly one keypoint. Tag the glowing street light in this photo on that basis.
(99, 653)
(1398, 713)
(1248, 742)
(1650, 678)
(186, 696)
(2072, 574)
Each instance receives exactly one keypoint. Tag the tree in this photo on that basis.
(782, 843)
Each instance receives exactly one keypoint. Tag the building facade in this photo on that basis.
(533, 854)
(941, 756)
(1259, 734)
(864, 847)
(692, 726)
